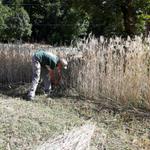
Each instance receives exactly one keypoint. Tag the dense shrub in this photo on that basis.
(17, 25)
(4, 11)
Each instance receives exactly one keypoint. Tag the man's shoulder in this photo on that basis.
(39, 52)
(52, 56)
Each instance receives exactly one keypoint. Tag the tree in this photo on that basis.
(55, 21)
(17, 22)
(117, 17)
(143, 16)
(128, 16)
(4, 11)
(12, 3)
(105, 16)
(17, 25)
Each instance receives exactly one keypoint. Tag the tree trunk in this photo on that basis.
(128, 17)
(147, 28)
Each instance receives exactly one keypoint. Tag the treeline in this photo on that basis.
(62, 21)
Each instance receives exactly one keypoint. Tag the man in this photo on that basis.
(46, 62)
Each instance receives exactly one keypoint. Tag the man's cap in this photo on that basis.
(64, 63)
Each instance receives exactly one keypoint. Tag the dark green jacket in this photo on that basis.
(46, 58)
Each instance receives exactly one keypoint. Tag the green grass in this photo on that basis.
(25, 125)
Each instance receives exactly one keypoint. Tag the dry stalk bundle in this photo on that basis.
(76, 139)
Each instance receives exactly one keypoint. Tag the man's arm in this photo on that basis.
(52, 75)
(52, 78)
(59, 70)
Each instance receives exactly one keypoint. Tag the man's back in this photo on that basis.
(46, 58)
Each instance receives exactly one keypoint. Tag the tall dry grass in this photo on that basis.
(15, 61)
(14, 64)
(114, 68)
(117, 69)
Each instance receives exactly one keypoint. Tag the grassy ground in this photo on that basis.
(25, 124)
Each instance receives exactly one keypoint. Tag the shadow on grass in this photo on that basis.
(21, 90)
(14, 90)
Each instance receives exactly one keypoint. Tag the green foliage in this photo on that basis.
(60, 21)
(4, 11)
(116, 17)
(17, 25)
(70, 26)
(142, 14)
(12, 3)
(14, 22)
(56, 21)
(105, 16)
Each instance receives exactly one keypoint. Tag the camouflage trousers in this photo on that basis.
(39, 72)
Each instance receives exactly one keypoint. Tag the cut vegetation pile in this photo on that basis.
(76, 139)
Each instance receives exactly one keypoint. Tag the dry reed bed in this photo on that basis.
(15, 61)
(114, 68)
(117, 69)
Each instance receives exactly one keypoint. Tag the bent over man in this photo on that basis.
(47, 62)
